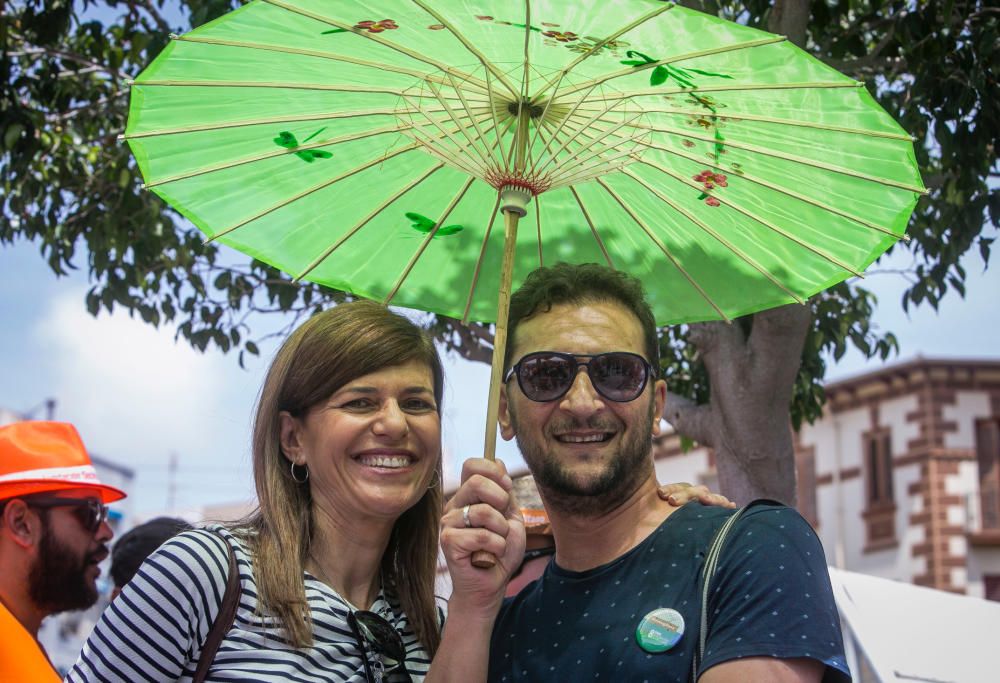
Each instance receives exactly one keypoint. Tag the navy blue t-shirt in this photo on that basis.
(771, 597)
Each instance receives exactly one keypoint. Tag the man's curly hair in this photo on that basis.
(567, 283)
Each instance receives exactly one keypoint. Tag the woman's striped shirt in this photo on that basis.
(155, 628)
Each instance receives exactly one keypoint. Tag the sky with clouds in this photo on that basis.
(139, 398)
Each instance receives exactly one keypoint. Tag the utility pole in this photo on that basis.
(172, 482)
(48, 404)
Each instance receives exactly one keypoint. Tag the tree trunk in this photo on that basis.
(747, 420)
(790, 18)
(706, 6)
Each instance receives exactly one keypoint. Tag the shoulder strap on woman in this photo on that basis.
(223, 620)
(708, 572)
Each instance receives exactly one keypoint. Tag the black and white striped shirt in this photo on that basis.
(154, 629)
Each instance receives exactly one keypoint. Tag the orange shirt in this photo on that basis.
(21, 657)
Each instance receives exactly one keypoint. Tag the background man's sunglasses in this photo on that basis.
(547, 375)
(371, 629)
(90, 511)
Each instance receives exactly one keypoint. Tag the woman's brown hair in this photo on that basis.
(329, 350)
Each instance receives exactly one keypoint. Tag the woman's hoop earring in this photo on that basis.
(299, 480)
(436, 482)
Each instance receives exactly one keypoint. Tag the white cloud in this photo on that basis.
(464, 419)
(126, 375)
(962, 327)
(137, 396)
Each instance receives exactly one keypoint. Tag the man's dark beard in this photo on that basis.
(58, 580)
(563, 492)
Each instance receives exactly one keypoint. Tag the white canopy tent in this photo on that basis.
(911, 633)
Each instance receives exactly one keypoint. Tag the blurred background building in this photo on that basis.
(901, 475)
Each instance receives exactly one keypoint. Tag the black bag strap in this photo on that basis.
(708, 573)
(223, 620)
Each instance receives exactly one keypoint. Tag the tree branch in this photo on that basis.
(690, 419)
(873, 61)
(868, 64)
(981, 13)
(863, 24)
(775, 344)
(715, 337)
(76, 111)
(161, 23)
(790, 18)
(31, 50)
(723, 350)
(474, 341)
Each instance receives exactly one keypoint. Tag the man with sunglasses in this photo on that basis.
(621, 599)
(53, 536)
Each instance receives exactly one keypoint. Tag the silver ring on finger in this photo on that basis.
(465, 517)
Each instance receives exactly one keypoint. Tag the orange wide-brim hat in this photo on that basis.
(38, 457)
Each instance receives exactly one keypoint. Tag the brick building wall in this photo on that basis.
(890, 476)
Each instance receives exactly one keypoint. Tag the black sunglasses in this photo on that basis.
(384, 640)
(91, 512)
(619, 376)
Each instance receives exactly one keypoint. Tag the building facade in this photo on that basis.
(901, 475)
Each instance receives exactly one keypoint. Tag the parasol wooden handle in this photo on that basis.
(483, 559)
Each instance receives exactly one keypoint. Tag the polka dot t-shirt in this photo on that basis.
(771, 597)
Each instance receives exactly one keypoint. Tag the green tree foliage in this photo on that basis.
(73, 190)
(933, 66)
(71, 187)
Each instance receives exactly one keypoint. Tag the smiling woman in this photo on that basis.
(372, 447)
(336, 568)
(322, 376)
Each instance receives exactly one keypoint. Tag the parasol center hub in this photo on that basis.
(536, 142)
(534, 110)
(514, 199)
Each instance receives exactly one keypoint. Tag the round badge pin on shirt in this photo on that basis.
(660, 630)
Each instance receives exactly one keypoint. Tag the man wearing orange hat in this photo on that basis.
(53, 535)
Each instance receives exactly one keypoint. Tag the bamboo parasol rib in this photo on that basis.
(346, 59)
(378, 39)
(663, 247)
(765, 223)
(479, 262)
(367, 219)
(490, 67)
(427, 240)
(223, 125)
(279, 152)
(596, 47)
(672, 60)
(593, 229)
(706, 228)
(311, 190)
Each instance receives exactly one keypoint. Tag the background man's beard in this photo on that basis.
(58, 582)
(596, 496)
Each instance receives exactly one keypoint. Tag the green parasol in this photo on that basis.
(370, 147)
